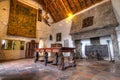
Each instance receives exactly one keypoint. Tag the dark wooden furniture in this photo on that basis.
(63, 49)
(30, 46)
(55, 45)
(71, 63)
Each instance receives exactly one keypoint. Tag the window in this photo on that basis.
(12, 45)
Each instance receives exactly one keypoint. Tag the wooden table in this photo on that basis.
(63, 49)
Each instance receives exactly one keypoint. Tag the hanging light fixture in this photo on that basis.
(46, 11)
(46, 17)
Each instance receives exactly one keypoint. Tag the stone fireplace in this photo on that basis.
(94, 27)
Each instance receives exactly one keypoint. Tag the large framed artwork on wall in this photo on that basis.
(22, 20)
(58, 37)
(39, 15)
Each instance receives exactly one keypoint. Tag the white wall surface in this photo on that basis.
(116, 8)
(103, 41)
(64, 28)
(84, 42)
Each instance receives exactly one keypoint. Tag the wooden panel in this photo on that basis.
(88, 2)
(56, 7)
(61, 9)
(67, 6)
(30, 49)
(82, 3)
(78, 7)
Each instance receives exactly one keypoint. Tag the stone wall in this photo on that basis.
(42, 30)
(103, 16)
(104, 24)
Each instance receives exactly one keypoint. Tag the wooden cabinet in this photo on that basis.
(56, 45)
(30, 46)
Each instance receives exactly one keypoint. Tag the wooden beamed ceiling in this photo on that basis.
(59, 9)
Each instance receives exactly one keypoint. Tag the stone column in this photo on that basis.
(78, 49)
(115, 46)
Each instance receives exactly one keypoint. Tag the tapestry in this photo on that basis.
(22, 20)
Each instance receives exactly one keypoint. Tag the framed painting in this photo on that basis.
(58, 37)
(50, 37)
(22, 20)
(39, 15)
(88, 21)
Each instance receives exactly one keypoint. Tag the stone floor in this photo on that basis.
(26, 69)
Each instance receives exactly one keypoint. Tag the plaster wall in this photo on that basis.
(103, 41)
(116, 8)
(84, 42)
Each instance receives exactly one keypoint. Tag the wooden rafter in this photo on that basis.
(59, 9)
(62, 9)
(64, 6)
(85, 1)
(80, 3)
(69, 6)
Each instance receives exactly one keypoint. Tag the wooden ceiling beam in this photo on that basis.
(64, 6)
(95, 1)
(85, 2)
(56, 10)
(56, 14)
(80, 4)
(78, 7)
(89, 3)
(69, 6)
(73, 5)
(61, 8)
(53, 12)
(49, 10)
(56, 7)
(92, 1)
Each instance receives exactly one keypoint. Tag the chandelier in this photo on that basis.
(46, 17)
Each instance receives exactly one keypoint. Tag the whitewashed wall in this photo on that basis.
(84, 42)
(118, 36)
(103, 41)
(116, 8)
(64, 28)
